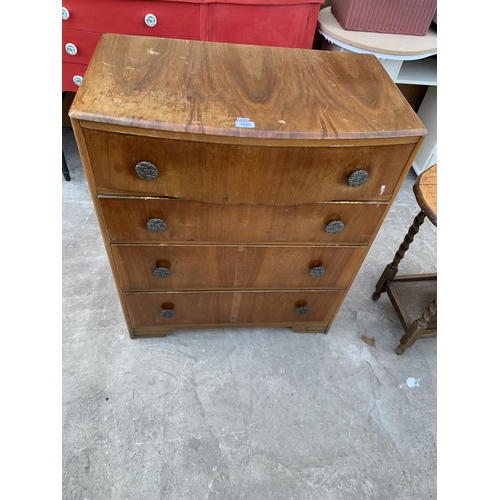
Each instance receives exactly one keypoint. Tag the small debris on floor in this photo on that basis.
(411, 382)
(368, 340)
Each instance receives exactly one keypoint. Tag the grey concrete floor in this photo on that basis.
(243, 414)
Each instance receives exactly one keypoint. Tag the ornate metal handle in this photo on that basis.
(146, 171)
(358, 178)
(167, 313)
(156, 225)
(317, 271)
(162, 272)
(334, 227)
(302, 310)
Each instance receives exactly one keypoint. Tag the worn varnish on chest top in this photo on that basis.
(270, 168)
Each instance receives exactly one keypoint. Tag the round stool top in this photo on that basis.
(385, 43)
(425, 190)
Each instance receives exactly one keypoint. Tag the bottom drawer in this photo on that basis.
(205, 309)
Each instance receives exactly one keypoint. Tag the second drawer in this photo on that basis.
(181, 221)
(200, 267)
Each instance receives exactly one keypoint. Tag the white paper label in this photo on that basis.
(244, 123)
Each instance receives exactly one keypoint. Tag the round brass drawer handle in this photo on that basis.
(162, 272)
(334, 227)
(156, 225)
(358, 178)
(317, 272)
(302, 310)
(146, 171)
(167, 313)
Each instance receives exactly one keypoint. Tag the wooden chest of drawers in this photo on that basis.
(283, 23)
(238, 185)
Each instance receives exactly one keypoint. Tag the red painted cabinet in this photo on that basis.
(280, 23)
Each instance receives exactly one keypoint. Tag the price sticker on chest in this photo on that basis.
(244, 123)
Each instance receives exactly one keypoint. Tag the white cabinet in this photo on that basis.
(427, 156)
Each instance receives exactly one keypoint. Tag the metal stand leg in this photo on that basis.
(392, 269)
(416, 328)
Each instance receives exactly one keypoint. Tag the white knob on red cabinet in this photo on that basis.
(65, 13)
(150, 20)
(77, 80)
(71, 49)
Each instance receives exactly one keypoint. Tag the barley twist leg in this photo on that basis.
(392, 269)
(416, 328)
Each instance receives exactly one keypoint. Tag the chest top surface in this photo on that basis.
(241, 91)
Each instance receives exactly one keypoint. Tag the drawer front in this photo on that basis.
(271, 25)
(229, 173)
(212, 308)
(198, 267)
(126, 221)
(72, 76)
(84, 43)
(173, 19)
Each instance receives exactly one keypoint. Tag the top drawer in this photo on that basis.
(232, 173)
(166, 19)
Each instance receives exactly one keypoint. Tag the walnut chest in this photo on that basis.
(236, 185)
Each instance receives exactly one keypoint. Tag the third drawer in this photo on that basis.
(202, 267)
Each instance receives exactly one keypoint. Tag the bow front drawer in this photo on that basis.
(243, 267)
(238, 173)
(127, 220)
(223, 308)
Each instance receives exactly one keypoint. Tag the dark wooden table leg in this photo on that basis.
(416, 328)
(392, 269)
(65, 170)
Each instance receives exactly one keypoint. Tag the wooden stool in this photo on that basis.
(414, 296)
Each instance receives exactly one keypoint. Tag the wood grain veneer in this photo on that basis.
(242, 215)
(198, 87)
(219, 173)
(126, 221)
(244, 266)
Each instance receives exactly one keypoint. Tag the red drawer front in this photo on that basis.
(70, 71)
(271, 25)
(85, 43)
(127, 17)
